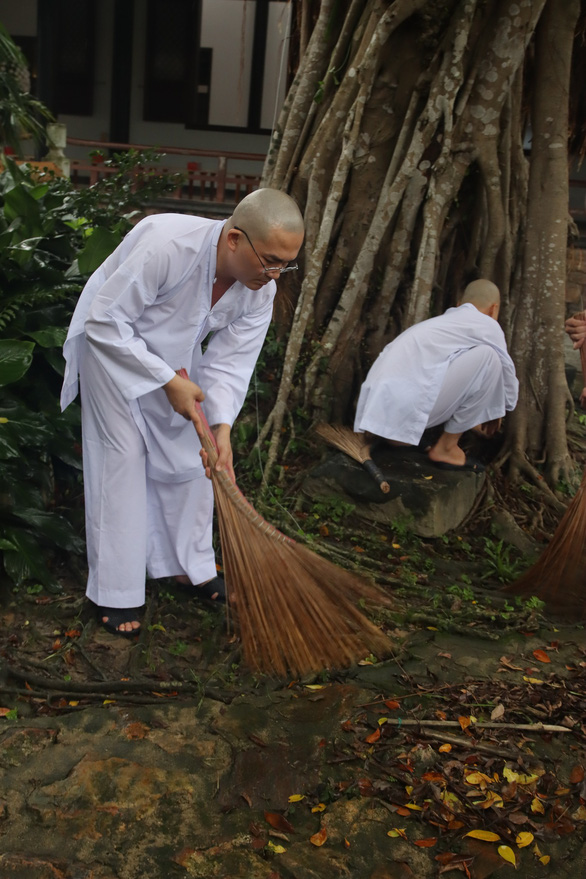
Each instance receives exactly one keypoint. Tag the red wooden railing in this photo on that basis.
(220, 184)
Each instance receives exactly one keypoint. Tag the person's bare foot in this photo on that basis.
(454, 456)
(120, 620)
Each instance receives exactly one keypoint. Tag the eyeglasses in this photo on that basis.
(268, 269)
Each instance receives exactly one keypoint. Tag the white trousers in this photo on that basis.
(472, 392)
(135, 524)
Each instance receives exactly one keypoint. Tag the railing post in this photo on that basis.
(221, 190)
(57, 137)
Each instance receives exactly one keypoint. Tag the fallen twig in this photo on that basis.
(493, 750)
(531, 727)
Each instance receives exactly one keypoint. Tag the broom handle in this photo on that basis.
(209, 444)
(376, 473)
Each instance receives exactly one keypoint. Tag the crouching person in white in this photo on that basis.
(453, 370)
(173, 282)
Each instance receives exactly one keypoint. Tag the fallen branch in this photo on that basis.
(101, 689)
(493, 750)
(530, 727)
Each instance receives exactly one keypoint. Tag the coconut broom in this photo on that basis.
(356, 446)
(296, 611)
(558, 577)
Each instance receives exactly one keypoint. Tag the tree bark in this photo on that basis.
(412, 176)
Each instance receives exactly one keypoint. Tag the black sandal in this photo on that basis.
(206, 592)
(117, 616)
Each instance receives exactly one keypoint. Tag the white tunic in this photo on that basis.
(141, 316)
(145, 313)
(403, 384)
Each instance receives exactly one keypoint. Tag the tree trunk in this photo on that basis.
(412, 176)
(538, 424)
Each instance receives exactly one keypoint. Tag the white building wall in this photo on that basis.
(227, 28)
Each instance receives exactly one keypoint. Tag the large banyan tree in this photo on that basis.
(427, 144)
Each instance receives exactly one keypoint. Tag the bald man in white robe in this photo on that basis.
(453, 370)
(172, 283)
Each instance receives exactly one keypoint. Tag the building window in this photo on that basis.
(171, 59)
(74, 57)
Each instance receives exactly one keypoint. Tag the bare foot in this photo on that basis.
(448, 456)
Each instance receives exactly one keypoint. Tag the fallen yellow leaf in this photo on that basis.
(277, 849)
(486, 835)
(519, 777)
(296, 798)
(443, 749)
(532, 680)
(397, 831)
(537, 806)
(319, 808)
(492, 799)
(545, 859)
(478, 778)
(507, 854)
(524, 838)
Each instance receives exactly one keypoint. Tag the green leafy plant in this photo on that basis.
(51, 238)
(498, 561)
(20, 112)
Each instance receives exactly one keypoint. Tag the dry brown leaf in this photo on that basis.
(373, 737)
(392, 704)
(136, 730)
(279, 822)
(541, 655)
(426, 843)
(497, 712)
(320, 837)
(365, 787)
(504, 660)
(577, 774)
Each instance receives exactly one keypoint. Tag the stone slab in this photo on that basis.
(430, 500)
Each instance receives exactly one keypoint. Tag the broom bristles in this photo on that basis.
(356, 446)
(296, 611)
(558, 576)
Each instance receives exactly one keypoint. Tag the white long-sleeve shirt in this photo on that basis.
(403, 383)
(145, 313)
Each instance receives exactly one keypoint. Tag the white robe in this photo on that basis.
(401, 391)
(141, 316)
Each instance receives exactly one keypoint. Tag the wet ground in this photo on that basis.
(164, 756)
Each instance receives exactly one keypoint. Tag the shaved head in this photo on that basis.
(483, 294)
(266, 210)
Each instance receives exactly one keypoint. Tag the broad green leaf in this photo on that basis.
(53, 527)
(15, 359)
(50, 337)
(19, 203)
(27, 562)
(8, 449)
(100, 245)
(6, 544)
